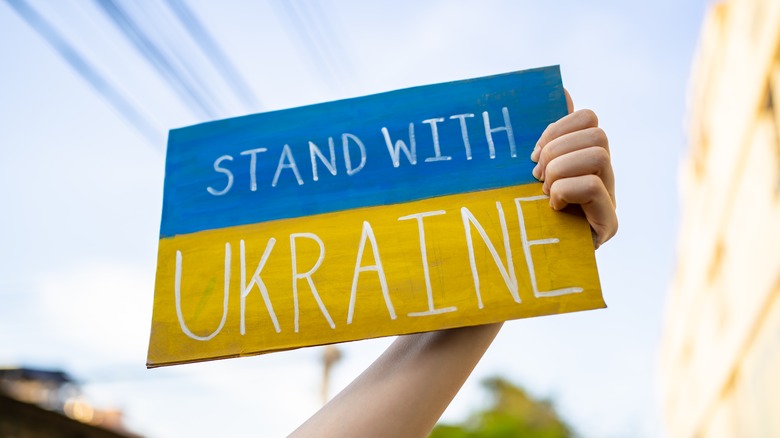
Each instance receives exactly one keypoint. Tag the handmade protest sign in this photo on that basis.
(401, 212)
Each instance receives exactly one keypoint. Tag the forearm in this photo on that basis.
(405, 391)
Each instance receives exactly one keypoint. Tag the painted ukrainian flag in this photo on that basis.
(401, 212)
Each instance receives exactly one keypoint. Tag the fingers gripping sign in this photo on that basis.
(573, 162)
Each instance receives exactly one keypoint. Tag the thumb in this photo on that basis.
(569, 102)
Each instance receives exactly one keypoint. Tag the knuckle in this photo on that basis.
(548, 152)
(588, 117)
(599, 137)
(556, 197)
(554, 190)
(551, 172)
(550, 132)
(601, 157)
(591, 186)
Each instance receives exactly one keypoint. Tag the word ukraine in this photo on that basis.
(395, 213)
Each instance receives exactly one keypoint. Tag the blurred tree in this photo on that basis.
(512, 413)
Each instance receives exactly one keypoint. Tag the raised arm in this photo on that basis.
(405, 391)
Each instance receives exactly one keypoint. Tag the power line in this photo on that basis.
(79, 63)
(317, 20)
(322, 49)
(215, 54)
(154, 55)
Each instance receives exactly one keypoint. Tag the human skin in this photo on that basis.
(405, 391)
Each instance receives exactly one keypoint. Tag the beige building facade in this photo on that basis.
(720, 353)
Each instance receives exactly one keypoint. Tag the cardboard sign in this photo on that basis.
(401, 212)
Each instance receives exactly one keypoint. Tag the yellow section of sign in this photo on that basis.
(443, 262)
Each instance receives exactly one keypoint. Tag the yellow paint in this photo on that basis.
(570, 263)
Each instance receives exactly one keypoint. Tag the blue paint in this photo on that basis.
(533, 98)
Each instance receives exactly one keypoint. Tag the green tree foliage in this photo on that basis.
(511, 413)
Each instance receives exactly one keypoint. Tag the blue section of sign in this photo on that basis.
(345, 154)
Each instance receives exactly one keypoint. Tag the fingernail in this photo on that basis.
(535, 153)
(545, 189)
(536, 172)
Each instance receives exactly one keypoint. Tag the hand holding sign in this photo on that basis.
(406, 390)
(574, 164)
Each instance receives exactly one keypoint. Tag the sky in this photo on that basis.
(81, 192)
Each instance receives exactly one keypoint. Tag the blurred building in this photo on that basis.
(41, 403)
(720, 358)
